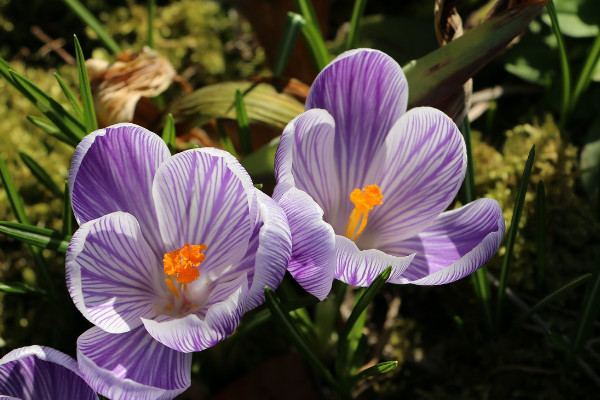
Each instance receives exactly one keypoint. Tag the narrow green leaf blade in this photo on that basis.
(69, 95)
(95, 25)
(16, 204)
(379, 369)
(168, 133)
(307, 11)
(20, 288)
(67, 223)
(151, 15)
(512, 234)
(36, 236)
(89, 115)
(316, 45)
(52, 130)
(587, 71)
(357, 13)
(293, 25)
(243, 124)
(226, 140)
(590, 308)
(41, 174)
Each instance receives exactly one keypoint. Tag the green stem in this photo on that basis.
(586, 72)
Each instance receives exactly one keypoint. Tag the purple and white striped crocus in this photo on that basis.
(170, 253)
(41, 373)
(364, 184)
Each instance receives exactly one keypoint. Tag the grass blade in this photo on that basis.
(67, 223)
(357, 13)
(512, 234)
(89, 115)
(285, 322)
(307, 11)
(243, 124)
(36, 236)
(64, 121)
(41, 174)
(52, 130)
(590, 308)
(557, 294)
(379, 369)
(540, 211)
(226, 140)
(293, 25)
(20, 288)
(95, 25)
(151, 15)
(69, 95)
(564, 67)
(168, 133)
(587, 71)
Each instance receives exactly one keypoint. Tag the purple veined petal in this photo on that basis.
(132, 365)
(313, 241)
(112, 274)
(216, 321)
(113, 170)
(269, 251)
(457, 244)
(361, 267)
(42, 373)
(201, 200)
(366, 92)
(308, 143)
(424, 161)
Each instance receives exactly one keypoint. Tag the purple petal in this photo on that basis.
(457, 244)
(424, 163)
(305, 159)
(361, 267)
(200, 199)
(218, 319)
(269, 251)
(42, 373)
(132, 365)
(113, 276)
(366, 92)
(113, 170)
(313, 241)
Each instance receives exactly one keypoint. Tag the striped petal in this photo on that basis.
(423, 165)
(42, 373)
(201, 199)
(269, 251)
(361, 267)
(113, 170)
(305, 159)
(366, 92)
(313, 241)
(132, 365)
(457, 244)
(216, 321)
(113, 276)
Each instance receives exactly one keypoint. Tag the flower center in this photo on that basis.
(364, 201)
(182, 264)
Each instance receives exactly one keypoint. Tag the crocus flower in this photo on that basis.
(170, 253)
(364, 184)
(41, 373)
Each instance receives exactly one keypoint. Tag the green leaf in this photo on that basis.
(41, 174)
(590, 68)
(357, 13)
(287, 325)
(20, 288)
(262, 161)
(95, 25)
(168, 133)
(590, 308)
(379, 369)
(264, 104)
(557, 294)
(67, 216)
(444, 70)
(307, 11)
(577, 18)
(69, 95)
(243, 124)
(52, 130)
(64, 121)
(151, 15)
(226, 140)
(316, 45)
(512, 234)
(36, 236)
(89, 115)
(293, 25)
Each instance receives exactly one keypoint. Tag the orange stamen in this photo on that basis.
(182, 264)
(364, 201)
